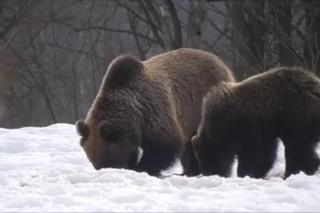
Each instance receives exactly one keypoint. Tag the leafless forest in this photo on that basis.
(53, 53)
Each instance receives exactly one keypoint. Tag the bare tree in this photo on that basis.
(281, 28)
(249, 34)
(53, 54)
(196, 18)
(312, 39)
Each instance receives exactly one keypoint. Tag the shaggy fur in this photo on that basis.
(155, 105)
(247, 118)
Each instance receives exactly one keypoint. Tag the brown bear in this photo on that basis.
(245, 119)
(146, 112)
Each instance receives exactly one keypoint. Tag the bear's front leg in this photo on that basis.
(159, 153)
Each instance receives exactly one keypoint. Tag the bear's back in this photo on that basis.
(278, 90)
(187, 61)
(189, 73)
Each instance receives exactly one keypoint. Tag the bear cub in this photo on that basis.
(246, 119)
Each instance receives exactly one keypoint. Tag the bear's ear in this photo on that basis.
(82, 129)
(123, 70)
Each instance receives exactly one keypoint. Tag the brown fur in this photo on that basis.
(154, 104)
(247, 118)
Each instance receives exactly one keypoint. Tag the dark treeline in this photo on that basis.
(54, 53)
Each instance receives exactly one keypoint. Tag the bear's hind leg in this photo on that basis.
(300, 158)
(300, 152)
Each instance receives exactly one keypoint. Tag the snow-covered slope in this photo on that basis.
(44, 169)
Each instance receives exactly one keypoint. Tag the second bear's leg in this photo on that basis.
(301, 158)
(247, 158)
(267, 155)
(244, 168)
(257, 153)
(300, 153)
(189, 161)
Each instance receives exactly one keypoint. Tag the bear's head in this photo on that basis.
(111, 132)
(211, 149)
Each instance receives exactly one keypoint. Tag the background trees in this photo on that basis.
(53, 54)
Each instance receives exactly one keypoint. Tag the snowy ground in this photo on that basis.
(44, 169)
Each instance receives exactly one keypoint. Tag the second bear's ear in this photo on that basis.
(123, 70)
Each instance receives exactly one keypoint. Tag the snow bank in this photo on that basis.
(44, 169)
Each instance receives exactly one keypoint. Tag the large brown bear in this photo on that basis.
(145, 112)
(247, 118)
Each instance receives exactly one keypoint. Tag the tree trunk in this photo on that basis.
(171, 30)
(248, 35)
(195, 20)
(312, 41)
(281, 29)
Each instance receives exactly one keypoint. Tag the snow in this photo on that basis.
(44, 169)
